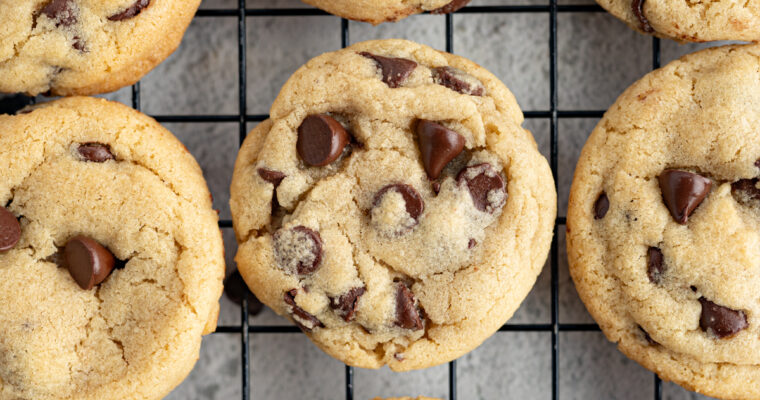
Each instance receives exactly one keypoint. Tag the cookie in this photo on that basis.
(111, 259)
(663, 223)
(690, 21)
(378, 11)
(68, 47)
(393, 207)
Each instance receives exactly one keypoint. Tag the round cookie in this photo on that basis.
(690, 21)
(84, 47)
(111, 262)
(663, 226)
(393, 206)
(378, 11)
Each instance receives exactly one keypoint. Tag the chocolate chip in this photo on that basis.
(436, 187)
(407, 315)
(682, 192)
(414, 203)
(304, 317)
(451, 7)
(395, 70)
(346, 303)
(693, 288)
(78, 44)
(757, 163)
(131, 11)
(457, 80)
(486, 186)
(655, 264)
(601, 206)
(95, 152)
(298, 250)
(638, 10)
(472, 243)
(88, 261)
(236, 289)
(10, 230)
(722, 321)
(321, 140)
(63, 12)
(273, 177)
(746, 191)
(438, 146)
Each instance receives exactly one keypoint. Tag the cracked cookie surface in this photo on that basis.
(393, 206)
(663, 223)
(379, 11)
(86, 47)
(78, 174)
(688, 20)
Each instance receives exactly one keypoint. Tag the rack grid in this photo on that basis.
(553, 114)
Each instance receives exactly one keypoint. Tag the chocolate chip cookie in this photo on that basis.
(379, 11)
(111, 259)
(663, 223)
(392, 206)
(690, 21)
(68, 47)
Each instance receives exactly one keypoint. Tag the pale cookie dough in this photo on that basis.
(663, 226)
(379, 11)
(689, 20)
(84, 167)
(393, 206)
(81, 47)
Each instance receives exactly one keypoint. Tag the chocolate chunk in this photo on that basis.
(407, 315)
(95, 152)
(638, 10)
(312, 321)
(655, 264)
(88, 261)
(395, 70)
(10, 230)
(458, 81)
(321, 140)
(273, 177)
(131, 11)
(346, 303)
(745, 191)
(722, 321)
(438, 146)
(236, 289)
(486, 186)
(601, 206)
(298, 250)
(414, 203)
(472, 243)
(63, 12)
(682, 192)
(451, 7)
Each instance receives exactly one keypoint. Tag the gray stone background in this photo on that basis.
(598, 58)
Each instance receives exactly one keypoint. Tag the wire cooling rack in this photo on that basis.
(553, 114)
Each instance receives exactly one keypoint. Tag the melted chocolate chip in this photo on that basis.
(63, 12)
(273, 177)
(10, 230)
(486, 186)
(682, 192)
(95, 152)
(601, 206)
(451, 7)
(321, 140)
(298, 249)
(236, 289)
(131, 11)
(655, 265)
(88, 261)
(438, 146)
(457, 80)
(745, 191)
(436, 187)
(346, 303)
(412, 199)
(407, 316)
(722, 321)
(394, 70)
(638, 10)
(290, 299)
(472, 243)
